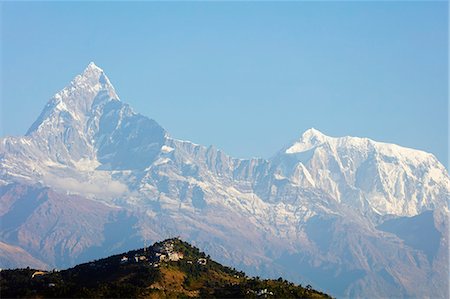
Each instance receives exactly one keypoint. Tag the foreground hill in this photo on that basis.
(172, 268)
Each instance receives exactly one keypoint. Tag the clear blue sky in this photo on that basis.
(247, 77)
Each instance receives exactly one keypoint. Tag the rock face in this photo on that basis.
(349, 215)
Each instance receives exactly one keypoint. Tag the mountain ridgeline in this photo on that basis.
(349, 215)
(168, 269)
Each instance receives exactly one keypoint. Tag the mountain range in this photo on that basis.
(351, 216)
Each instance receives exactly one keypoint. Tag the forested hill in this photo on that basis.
(171, 268)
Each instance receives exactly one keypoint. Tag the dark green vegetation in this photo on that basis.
(172, 268)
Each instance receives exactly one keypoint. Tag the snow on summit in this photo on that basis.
(308, 140)
(77, 100)
(312, 138)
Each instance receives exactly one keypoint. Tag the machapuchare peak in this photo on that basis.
(77, 101)
(87, 87)
(93, 66)
(93, 76)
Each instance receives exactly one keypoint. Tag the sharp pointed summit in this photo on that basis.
(79, 99)
(93, 79)
(86, 120)
(93, 74)
(93, 66)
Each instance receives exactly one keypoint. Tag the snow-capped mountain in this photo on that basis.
(379, 177)
(349, 215)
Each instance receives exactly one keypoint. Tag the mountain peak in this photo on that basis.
(313, 133)
(88, 84)
(309, 139)
(78, 98)
(92, 66)
(94, 73)
(94, 77)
